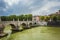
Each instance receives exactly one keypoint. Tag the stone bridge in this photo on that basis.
(16, 24)
(27, 24)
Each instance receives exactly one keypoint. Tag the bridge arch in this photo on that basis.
(24, 25)
(34, 23)
(30, 24)
(14, 27)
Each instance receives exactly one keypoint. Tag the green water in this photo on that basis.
(37, 33)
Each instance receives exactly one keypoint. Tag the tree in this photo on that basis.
(11, 17)
(47, 18)
(4, 18)
(42, 18)
(27, 17)
(30, 17)
(54, 18)
(58, 17)
(21, 17)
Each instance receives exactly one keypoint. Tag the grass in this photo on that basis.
(37, 33)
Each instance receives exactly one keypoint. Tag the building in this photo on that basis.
(59, 12)
(36, 18)
(56, 13)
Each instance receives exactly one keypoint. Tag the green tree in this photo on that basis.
(4, 18)
(42, 18)
(30, 17)
(58, 17)
(21, 17)
(47, 18)
(54, 18)
(11, 17)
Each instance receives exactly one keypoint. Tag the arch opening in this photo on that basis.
(30, 24)
(14, 28)
(12, 25)
(24, 26)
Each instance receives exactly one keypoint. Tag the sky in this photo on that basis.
(34, 7)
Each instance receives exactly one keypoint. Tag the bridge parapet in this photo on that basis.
(15, 22)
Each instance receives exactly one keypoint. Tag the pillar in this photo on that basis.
(23, 19)
(18, 19)
(13, 19)
(28, 26)
(18, 22)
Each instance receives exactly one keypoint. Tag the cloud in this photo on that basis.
(46, 8)
(35, 7)
(11, 2)
(2, 6)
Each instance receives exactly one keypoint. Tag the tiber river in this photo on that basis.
(37, 33)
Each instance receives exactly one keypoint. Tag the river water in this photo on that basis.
(37, 33)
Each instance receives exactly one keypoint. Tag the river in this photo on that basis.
(37, 33)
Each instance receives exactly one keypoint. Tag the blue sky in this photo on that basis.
(35, 7)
